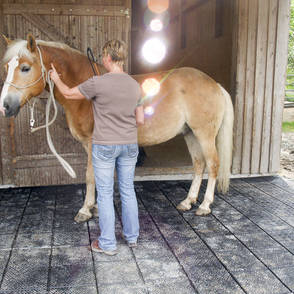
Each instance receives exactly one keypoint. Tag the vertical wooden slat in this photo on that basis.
(219, 18)
(234, 28)
(250, 78)
(127, 29)
(279, 82)
(2, 50)
(83, 34)
(271, 48)
(260, 73)
(241, 22)
(7, 128)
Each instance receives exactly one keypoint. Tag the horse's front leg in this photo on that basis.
(84, 213)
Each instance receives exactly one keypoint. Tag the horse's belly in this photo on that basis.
(160, 128)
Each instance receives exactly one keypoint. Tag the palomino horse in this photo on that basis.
(189, 102)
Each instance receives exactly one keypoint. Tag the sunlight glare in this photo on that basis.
(151, 87)
(154, 50)
(149, 110)
(156, 25)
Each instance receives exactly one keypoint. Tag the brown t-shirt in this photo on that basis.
(115, 96)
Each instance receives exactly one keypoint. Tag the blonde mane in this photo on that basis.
(19, 48)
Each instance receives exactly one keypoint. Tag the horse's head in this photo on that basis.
(24, 78)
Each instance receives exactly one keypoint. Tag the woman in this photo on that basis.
(115, 97)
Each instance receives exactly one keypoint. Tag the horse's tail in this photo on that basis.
(224, 143)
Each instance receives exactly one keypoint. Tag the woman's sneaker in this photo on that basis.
(95, 247)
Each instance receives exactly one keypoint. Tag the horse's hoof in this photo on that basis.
(81, 217)
(183, 207)
(202, 211)
(94, 211)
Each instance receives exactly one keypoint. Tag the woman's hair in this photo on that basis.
(117, 50)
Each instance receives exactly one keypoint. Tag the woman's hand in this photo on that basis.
(2, 110)
(139, 115)
(54, 74)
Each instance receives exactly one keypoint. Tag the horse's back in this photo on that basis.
(187, 96)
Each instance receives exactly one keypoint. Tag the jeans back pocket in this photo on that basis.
(105, 151)
(133, 150)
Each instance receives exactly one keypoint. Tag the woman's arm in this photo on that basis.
(140, 115)
(68, 93)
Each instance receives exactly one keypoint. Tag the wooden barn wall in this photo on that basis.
(261, 50)
(2, 49)
(26, 159)
(199, 34)
(240, 43)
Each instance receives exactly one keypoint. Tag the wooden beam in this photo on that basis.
(279, 82)
(64, 9)
(268, 96)
(241, 27)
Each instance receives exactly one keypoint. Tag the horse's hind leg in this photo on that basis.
(212, 163)
(84, 213)
(199, 165)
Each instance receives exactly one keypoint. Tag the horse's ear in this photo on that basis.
(31, 43)
(7, 40)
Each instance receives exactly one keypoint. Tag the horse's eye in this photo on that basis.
(25, 68)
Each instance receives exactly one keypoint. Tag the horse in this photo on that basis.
(188, 102)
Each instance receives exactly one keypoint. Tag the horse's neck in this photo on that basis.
(73, 67)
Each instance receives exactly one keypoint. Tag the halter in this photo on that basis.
(46, 79)
(42, 76)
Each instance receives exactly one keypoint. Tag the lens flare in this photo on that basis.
(154, 50)
(149, 110)
(151, 87)
(156, 25)
(163, 18)
(158, 6)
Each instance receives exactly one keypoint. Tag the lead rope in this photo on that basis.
(50, 100)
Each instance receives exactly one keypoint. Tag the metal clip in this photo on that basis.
(32, 122)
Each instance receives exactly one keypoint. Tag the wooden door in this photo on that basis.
(26, 159)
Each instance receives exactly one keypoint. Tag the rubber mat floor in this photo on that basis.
(245, 246)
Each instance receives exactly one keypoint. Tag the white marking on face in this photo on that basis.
(12, 64)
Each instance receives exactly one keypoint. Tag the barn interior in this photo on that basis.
(197, 33)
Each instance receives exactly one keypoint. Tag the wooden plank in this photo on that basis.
(249, 94)
(268, 95)
(64, 9)
(260, 73)
(47, 160)
(44, 176)
(83, 34)
(279, 82)
(219, 18)
(234, 24)
(126, 30)
(7, 127)
(2, 76)
(48, 29)
(241, 22)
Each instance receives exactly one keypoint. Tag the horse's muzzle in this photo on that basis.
(11, 105)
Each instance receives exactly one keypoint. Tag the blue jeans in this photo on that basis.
(105, 158)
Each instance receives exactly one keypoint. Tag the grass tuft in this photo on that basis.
(288, 126)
